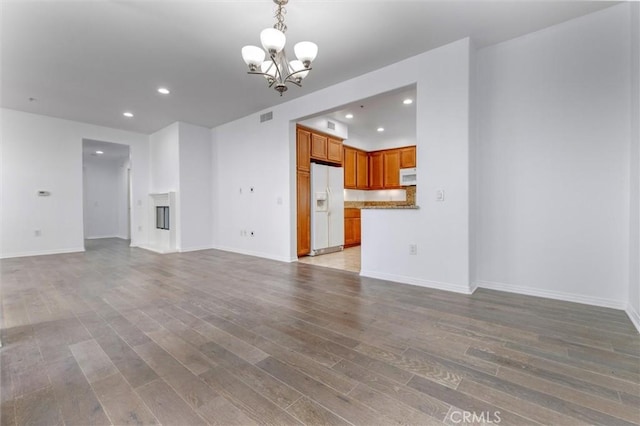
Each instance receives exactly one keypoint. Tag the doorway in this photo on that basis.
(378, 138)
(347, 259)
(106, 175)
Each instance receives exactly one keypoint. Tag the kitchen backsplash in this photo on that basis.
(377, 195)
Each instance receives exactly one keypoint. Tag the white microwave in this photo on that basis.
(408, 176)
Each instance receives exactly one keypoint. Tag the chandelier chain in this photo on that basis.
(280, 12)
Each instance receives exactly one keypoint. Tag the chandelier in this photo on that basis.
(278, 71)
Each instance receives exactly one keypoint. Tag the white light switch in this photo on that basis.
(439, 194)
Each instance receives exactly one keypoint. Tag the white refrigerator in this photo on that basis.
(327, 209)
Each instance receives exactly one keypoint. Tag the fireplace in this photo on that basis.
(162, 212)
(162, 217)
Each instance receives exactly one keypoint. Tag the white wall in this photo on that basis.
(248, 153)
(164, 151)
(367, 144)
(45, 153)
(253, 154)
(123, 200)
(215, 191)
(181, 159)
(634, 200)
(164, 159)
(103, 193)
(554, 161)
(440, 230)
(196, 205)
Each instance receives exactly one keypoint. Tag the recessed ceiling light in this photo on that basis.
(163, 90)
(381, 129)
(128, 114)
(407, 101)
(99, 152)
(348, 116)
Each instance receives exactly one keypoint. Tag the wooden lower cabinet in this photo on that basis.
(304, 212)
(351, 227)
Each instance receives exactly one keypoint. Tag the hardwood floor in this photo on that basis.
(124, 336)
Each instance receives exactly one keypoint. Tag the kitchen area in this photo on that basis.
(347, 162)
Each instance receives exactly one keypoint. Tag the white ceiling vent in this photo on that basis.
(266, 116)
(331, 125)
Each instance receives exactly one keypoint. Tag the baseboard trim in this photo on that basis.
(254, 254)
(42, 253)
(157, 250)
(633, 316)
(456, 288)
(549, 294)
(190, 249)
(101, 237)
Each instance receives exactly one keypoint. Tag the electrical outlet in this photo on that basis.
(413, 249)
(439, 194)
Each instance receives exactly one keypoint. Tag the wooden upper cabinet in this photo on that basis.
(376, 170)
(319, 147)
(303, 149)
(326, 149)
(391, 161)
(407, 157)
(334, 150)
(350, 168)
(362, 170)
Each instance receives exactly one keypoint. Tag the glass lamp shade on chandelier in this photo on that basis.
(278, 70)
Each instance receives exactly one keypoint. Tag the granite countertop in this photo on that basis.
(393, 207)
(408, 204)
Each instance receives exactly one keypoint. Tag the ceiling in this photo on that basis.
(110, 151)
(387, 111)
(92, 60)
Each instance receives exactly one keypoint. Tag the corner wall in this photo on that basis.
(196, 204)
(45, 153)
(633, 308)
(554, 161)
(181, 163)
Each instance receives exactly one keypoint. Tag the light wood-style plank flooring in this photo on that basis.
(119, 336)
(347, 259)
